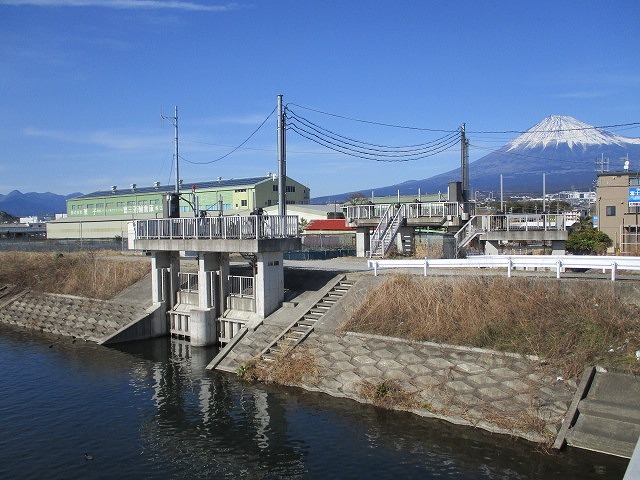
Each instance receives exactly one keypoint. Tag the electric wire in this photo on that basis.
(344, 117)
(524, 155)
(372, 152)
(370, 156)
(359, 143)
(236, 148)
(599, 127)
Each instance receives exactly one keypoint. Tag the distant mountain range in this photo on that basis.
(21, 204)
(564, 148)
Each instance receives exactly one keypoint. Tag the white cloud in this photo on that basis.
(101, 138)
(582, 94)
(127, 4)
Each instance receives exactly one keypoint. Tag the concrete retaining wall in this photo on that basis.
(67, 315)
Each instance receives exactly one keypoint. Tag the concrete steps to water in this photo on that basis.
(296, 332)
(605, 415)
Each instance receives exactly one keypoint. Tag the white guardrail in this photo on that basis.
(553, 262)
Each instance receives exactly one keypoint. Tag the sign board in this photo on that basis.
(634, 196)
(595, 221)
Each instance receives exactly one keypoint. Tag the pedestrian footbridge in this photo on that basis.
(379, 227)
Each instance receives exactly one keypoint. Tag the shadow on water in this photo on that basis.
(150, 409)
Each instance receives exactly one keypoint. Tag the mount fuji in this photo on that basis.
(562, 147)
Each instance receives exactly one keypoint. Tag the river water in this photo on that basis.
(150, 410)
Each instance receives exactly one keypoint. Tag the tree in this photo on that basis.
(587, 240)
(358, 199)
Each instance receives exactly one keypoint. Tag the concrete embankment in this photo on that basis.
(496, 391)
(67, 315)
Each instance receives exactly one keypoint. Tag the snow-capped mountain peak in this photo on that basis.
(562, 129)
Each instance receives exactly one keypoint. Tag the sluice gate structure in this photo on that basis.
(210, 305)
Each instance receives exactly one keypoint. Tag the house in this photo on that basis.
(618, 210)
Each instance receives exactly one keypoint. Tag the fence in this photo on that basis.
(45, 245)
(188, 281)
(412, 210)
(229, 227)
(241, 286)
(559, 263)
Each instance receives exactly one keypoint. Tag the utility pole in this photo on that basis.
(282, 160)
(501, 195)
(174, 122)
(464, 162)
(544, 193)
(173, 200)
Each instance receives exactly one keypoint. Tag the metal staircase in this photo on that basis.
(467, 233)
(386, 230)
(301, 328)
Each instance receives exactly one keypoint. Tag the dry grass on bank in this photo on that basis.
(388, 394)
(87, 274)
(567, 325)
(292, 367)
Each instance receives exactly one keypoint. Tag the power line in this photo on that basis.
(599, 127)
(236, 148)
(344, 117)
(359, 143)
(323, 141)
(524, 155)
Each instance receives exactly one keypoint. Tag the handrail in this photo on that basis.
(381, 228)
(188, 281)
(510, 262)
(240, 286)
(413, 210)
(388, 233)
(213, 228)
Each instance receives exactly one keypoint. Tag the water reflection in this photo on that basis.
(151, 410)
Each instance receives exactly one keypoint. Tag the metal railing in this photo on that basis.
(229, 227)
(188, 281)
(412, 210)
(241, 286)
(522, 222)
(386, 230)
(510, 262)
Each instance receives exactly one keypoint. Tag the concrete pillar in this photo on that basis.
(174, 283)
(159, 261)
(269, 283)
(363, 241)
(491, 247)
(207, 263)
(558, 247)
(202, 327)
(223, 283)
(405, 234)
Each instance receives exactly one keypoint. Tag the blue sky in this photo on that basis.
(83, 83)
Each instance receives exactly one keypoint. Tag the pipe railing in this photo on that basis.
(559, 263)
(241, 286)
(188, 281)
(412, 210)
(213, 228)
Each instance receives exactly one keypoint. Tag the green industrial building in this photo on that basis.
(105, 214)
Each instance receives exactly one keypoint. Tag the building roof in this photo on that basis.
(339, 224)
(232, 182)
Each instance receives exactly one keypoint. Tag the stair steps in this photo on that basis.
(295, 333)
